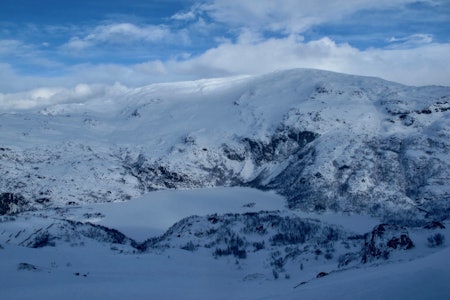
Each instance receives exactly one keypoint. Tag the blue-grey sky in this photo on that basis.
(62, 43)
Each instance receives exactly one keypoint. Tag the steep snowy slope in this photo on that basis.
(326, 141)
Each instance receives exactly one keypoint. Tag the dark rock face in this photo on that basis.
(153, 176)
(321, 274)
(27, 267)
(434, 225)
(265, 228)
(72, 231)
(100, 233)
(376, 174)
(216, 171)
(436, 240)
(11, 203)
(232, 154)
(383, 239)
(282, 144)
(403, 242)
(41, 239)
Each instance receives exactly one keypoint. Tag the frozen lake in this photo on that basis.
(152, 214)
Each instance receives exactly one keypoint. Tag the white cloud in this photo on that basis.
(77, 44)
(289, 16)
(126, 32)
(9, 46)
(413, 40)
(14, 48)
(26, 54)
(184, 16)
(421, 65)
(46, 96)
(119, 33)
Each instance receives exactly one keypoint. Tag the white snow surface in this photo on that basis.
(102, 271)
(93, 271)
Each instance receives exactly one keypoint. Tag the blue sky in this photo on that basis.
(62, 43)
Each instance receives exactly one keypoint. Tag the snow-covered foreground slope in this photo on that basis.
(295, 184)
(182, 275)
(311, 259)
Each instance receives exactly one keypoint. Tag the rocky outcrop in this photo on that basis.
(383, 240)
(74, 233)
(12, 203)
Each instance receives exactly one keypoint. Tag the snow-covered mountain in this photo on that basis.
(335, 146)
(326, 141)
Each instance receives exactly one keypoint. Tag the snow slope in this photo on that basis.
(112, 271)
(117, 278)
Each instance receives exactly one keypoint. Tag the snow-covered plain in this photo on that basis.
(336, 155)
(183, 275)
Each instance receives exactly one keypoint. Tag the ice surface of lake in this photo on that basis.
(152, 214)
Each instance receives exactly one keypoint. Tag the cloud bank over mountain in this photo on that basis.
(138, 43)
